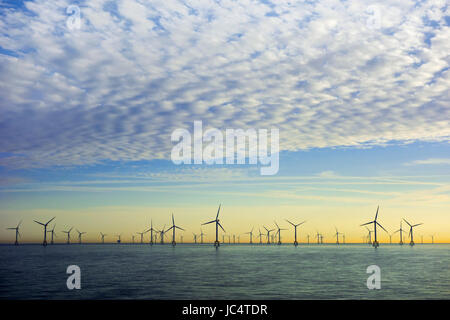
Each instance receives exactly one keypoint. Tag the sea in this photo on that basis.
(232, 271)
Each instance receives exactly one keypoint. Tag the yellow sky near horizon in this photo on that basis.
(235, 219)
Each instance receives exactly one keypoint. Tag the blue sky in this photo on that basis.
(358, 90)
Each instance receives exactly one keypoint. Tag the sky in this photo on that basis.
(91, 91)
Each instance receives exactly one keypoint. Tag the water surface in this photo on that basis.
(232, 272)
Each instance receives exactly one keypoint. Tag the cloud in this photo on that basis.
(326, 73)
(432, 161)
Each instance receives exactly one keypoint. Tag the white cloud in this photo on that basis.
(432, 161)
(321, 72)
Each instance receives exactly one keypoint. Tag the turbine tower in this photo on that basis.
(17, 232)
(295, 233)
(118, 236)
(44, 243)
(68, 234)
(79, 235)
(432, 238)
(173, 227)
(375, 223)
(217, 221)
(411, 243)
(195, 238)
(268, 234)
(251, 235)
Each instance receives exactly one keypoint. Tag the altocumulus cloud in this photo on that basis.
(324, 72)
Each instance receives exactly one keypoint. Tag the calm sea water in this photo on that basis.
(231, 272)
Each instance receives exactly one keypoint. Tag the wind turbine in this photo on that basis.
(118, 236)
(17, 232)
(195, 238)
(45, 229)
(268, 234)
(103, 237)
(260, 236)
(173, 227)
(321, 238)
(401, 233)
(142, 236)
(217, 221)
(132, 238)
(307, 237)
(201, 235)
(375, 223)
(151, 232)
(279, 233)
(53, 233)
(337, 235)
(161, 234)
(343, 238)
(79, 235)
(369, 236)
(411, 243)
(295, 228)
(68, 234)
(234, 238)
(251, 235)
(318, 237)
(432, 238)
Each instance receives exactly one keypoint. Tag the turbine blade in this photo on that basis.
(50, 220)
(221, 227)
(376, 215)
(407, 222)
(382, 227)
(366, 223)
(38, 222)
(417, 224)
(290, 222)
(209, 222)
(218, 212)
(179, 228)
